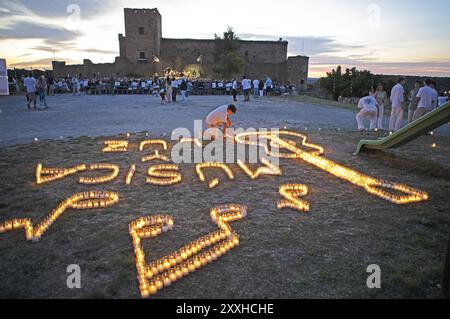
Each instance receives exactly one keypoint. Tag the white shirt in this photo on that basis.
(398, 96)
(246, 84)
(218, 116)
(235, 85)
(442, 100)
(426, 95)
(256, 83)
(435, 99)
(175, 84)
(368, 103)
(30, 84)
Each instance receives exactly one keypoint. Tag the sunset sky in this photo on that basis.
(410, 37)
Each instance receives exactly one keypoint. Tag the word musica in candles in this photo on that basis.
(156, 155)
(130, 174)
(167, 270)
(164, 175)
(87, 200)
(115, 146)
(370, 184)
(267, 169)
(215, 182)
(46, 175)
(292, 194)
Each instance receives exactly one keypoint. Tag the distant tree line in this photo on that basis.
(354, 83)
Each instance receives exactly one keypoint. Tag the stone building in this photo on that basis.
(144, 52)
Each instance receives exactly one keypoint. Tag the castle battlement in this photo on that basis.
(144, 51)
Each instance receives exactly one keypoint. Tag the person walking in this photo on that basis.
(413, 102)
(234, 90)
(42, 89)
(381, 98)
(51, 85)
(256, 89)
(174, 89)
(246, 87)
(169, 89)
(183, 88)
(397, 101)
(30, 86)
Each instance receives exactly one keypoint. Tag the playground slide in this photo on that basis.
(425, 124)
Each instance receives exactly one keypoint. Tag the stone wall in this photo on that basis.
(144, 52)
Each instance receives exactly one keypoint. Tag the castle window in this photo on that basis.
(141, 30)
(142, 55)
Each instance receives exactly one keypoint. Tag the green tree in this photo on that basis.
(352, 83)
(226, 58)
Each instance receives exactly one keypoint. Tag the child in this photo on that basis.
(162, 94)
(217, 119)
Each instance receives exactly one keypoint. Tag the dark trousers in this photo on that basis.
(174, 94)
(234, 95)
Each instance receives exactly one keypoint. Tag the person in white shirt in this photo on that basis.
(246, 86)
(256, 88)
(30, 86)
(436, 95)
(182, 85)
(442, 100)
(369, 110)
(75, 86)
(218, 118)
(174, 89)
(235, 88)
(425, 97)
(398, 102)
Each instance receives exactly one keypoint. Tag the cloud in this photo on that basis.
(50, 46)
(53, 9)
(424, 68)
(32, 30)
(41, 63)
(310, 45)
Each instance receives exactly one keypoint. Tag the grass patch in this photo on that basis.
(318, 101)
(283, 253)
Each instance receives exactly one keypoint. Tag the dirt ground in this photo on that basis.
(283, 253)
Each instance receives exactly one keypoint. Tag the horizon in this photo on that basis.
(34, 34)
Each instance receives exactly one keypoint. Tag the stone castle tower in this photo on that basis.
(143, 35)
(145, 52)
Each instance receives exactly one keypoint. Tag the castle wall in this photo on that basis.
(143, 42)
(297, 71)
(260, 57)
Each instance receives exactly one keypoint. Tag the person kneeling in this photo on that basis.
(368, 106)
(217, 119)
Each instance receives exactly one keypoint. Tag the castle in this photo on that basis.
(144, 52)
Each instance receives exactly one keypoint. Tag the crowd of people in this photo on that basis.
(169, 88)
(419, 101)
